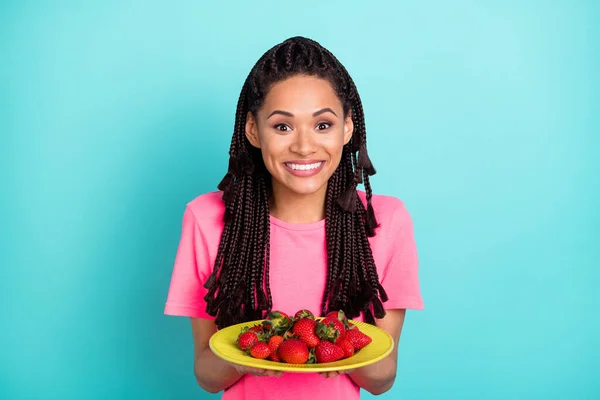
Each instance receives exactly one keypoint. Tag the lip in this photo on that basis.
(303, 162)
(304, 173)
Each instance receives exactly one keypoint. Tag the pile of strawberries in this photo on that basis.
(302, 339)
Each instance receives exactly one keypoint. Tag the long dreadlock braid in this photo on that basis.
(238, 288)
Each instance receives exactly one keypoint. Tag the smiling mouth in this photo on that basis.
(304, 167)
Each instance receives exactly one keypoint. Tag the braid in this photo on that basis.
(342, 295)
(246, 255)
(267, 235)
(238, 288)
(257, 266)
(330, 231)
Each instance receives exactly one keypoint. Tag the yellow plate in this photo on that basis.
(223, 344)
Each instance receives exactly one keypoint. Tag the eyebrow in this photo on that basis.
(289, 114)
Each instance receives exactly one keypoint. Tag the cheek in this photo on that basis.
(269, 149)
(334, 146)
(271, 154)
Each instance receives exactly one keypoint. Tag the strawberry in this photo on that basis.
(337, 325)
(276, 316)
(274, 343)
(256, 328)
(347, 347)
(277, 322)
(305, 329)
(328, 352)
(330, 329)
(260, 350)
(304, 313)
(247, 340)
(274, 357)
(357, 339)
(304, 326)
(293, 351)
(340, 315)
(311, 340)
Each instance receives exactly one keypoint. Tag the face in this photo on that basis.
(301, 131)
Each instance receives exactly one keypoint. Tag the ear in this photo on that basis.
(348, 127)
(252, 130)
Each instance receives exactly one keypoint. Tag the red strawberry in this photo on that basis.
(311, 340)
(339, 315)
(357, 338)
(247, 340)
(305, 329)
(274, 343)
(337, 325)
(328, 352)
(277, 322)
(273, 315)
(293, 351)
(304, 326)
(256, 328)
(330, 329)
(347, 347)
(304, 313)
(260, 350)
(332, 314)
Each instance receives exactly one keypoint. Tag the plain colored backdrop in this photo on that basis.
(482, 116)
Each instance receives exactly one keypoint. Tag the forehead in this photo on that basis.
(300, 94)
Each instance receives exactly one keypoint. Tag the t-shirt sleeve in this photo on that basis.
(401, 275)
(191, 269)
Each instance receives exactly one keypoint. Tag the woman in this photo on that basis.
(288, 228)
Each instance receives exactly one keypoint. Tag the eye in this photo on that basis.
(282, 128)
(323, 126)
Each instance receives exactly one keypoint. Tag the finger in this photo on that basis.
(259, 372)
(243, 370)
(273, 373)
(252, 371)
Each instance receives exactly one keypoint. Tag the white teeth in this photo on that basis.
(304, 167)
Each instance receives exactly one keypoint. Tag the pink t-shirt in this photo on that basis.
(298, 271)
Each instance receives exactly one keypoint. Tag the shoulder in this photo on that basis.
(385, 206)
(391, 212)
(207, 208)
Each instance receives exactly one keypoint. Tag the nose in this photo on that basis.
(303, 143)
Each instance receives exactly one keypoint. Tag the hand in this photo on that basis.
(333, 374)
(256, 371)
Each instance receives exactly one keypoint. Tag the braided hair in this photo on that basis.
(238, 288)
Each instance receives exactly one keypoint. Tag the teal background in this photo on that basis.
(482, 116)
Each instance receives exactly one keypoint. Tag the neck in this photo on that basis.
(298, 208)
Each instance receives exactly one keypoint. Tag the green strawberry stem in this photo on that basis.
(327, 332)
(312, 358)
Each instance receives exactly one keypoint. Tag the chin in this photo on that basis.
(306, 192)
(305, 189)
